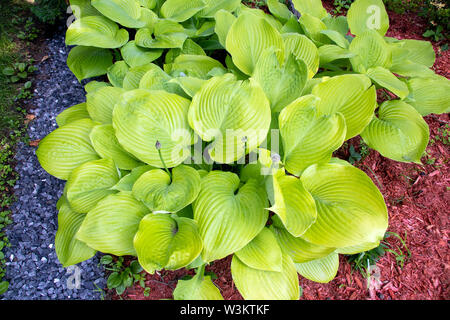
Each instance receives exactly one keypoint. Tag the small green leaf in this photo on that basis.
(106, 259)
(114, 280)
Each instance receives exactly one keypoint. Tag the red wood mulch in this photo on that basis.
(418, 200)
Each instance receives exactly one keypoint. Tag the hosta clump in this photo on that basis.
(182, 159)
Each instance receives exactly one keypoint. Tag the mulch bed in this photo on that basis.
(418, 202)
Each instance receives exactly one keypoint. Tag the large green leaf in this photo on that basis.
(228, 217)
(199, 287)
(124, 12)
(293, 204)
(100, 103)
(168, 242)
(304, 49)
(312, 7)
(66, 148)
(322, 270)
(154, 78)
(88, 62)
(262, 253)
(307, 136)
(313, 28)
(366, 15)
(189, 47)
(166, 34)
(68, 249)
(96, 31)
(329, 53)
(126, 183)
(214, 6)
(142, 118)
(72, 114)
(255, 284)
(136, 56)
(429, 95)
(247, 39)
(106, 145)
(282, 83)
(181, 10)
(158, 191)
(110, 227)
(298, 248)
(117, 72)
(352, 95)
(224, 21)
(350, 208)
(89, 183)
(197, 66)
(371, 51)
(399, 132)
(227, 111)
(416, 51)
(279, 10)
(386, 79)
(83, 8)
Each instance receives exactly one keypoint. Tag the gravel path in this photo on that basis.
(32, 267)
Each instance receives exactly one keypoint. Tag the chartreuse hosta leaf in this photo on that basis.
(258, 13)
(106, 145)
(293, 204)
(279, 10)
(141, 118)
(72, 114)
(309, 137)
(158, 191)
(358, 248)
(371, 51)
(256, 284)
(94, 85)
(168, 242)
(100, 104)
(181, 10)
(336, 37)
(83, 8)
(165, 34)
(304, 49)
(136, 56)
(322, 270)
(66, 148)
(189, 47)
(214, 6)
(313, 28)
(429, 95)
(350, 208)
(262, 253)
(399, 132)
(228, 217)
(312, 7)
(282, 83)
(126, 183)
(96, 31)
(366, 15)
(153, 78)
(298, 248)
(352, 96)
(338, 24)
(247, 39)
(124, 12)
(224, 21)
(111, 225)
(329, 53)
(235, 115)
(416, 51)
(88, 62)
(386, 79)
(68, 249)
(197, 66)
(200, 287)
(117, 72)
(89, 183)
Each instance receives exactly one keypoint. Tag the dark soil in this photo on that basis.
(418, 201)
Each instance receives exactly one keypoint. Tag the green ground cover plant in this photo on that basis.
(213, 130)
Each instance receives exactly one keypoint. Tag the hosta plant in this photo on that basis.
(212, 130)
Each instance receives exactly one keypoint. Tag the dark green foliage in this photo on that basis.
(49, 11)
